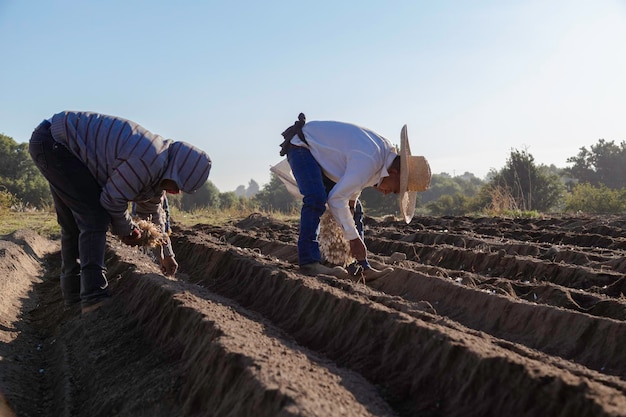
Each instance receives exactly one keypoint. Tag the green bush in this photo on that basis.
(587, 198)
(8, 200)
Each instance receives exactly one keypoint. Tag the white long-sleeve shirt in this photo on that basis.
(353, 157)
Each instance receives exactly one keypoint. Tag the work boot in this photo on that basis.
(368, 273)
(317, 268)
(372, 274)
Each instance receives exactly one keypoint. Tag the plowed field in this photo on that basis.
(481, 317)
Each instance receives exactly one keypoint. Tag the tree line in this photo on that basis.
(594, 183)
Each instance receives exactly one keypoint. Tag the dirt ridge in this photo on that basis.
(484, 317)
(478, 309)
(342, 339)
(232, 365)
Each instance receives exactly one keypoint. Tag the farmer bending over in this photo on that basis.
(332, 163)
(96, 164)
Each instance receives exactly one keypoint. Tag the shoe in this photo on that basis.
(317, 268)
(93, 307)
(372, 274)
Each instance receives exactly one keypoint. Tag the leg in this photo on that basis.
(83, 221)
(308, 175)
(70, 268)
(358, 218)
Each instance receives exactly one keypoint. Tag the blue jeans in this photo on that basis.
(83, 220)
(314, 187)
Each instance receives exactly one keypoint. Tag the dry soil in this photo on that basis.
(483, 317)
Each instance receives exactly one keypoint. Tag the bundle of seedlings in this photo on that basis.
(333, 245)
(151, 235)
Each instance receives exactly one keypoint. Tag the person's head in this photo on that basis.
(408, 175)
(170, 186)
(391, 183)
(187, 169)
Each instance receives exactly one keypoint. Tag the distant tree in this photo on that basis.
(7, 200)
(440, 185)
(207, 196)
(553, 169)
(240, 191)
(33, 189)
(275, 197)
(604, 164)
(532, 187)
(228, 200)
(253, 189)
(597, 200)
(20, 176)
(247, 204)
(443, 184)
(449, 205)
(451, 195)
(9, 161)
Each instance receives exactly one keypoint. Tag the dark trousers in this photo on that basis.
(83, 220)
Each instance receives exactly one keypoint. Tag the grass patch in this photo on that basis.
(43, 222)
(217, 217)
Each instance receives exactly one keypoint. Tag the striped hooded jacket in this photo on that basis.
(128, 161)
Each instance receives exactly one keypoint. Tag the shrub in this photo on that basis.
(597, 200)
(8, 200)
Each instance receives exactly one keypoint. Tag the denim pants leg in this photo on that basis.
(83, 220)
(308, 175)
(358, 218)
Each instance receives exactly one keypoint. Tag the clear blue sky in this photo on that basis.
(471, 79)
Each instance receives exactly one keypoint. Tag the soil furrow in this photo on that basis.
(235, 363)
(359, 333)
(483, 310)
(481, 317)
(539, 292)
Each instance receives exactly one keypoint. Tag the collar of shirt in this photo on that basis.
(384, 173)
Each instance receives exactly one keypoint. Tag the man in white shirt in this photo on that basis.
(332, 163)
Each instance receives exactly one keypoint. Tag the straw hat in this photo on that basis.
(414, 177)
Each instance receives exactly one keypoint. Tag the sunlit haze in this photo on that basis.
(471, 79)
